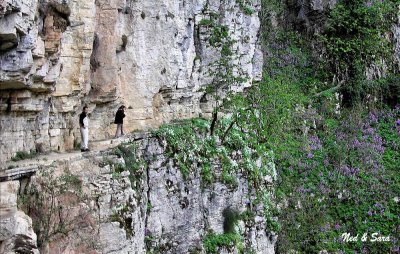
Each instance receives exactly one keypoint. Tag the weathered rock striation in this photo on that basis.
(152, 56)
(121, 210)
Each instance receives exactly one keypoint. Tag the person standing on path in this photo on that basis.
(119, 121)
(84, 127)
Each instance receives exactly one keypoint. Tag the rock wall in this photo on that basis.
(130, 211)
(308, 15)
(16, 232)
(152, 56)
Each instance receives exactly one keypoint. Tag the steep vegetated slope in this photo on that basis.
(200, 186)
(332, 68)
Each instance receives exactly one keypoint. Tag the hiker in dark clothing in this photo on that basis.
(119, 121)
(84, 128)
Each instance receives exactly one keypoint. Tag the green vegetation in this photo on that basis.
(77, 145)
(337, 151)
(342, 183)
(122, 215)
(332, 132)
(230, 239)
(214, 241)
(232, 236)
(205, 22)
(231, 148)
(224, 71)
(356, 38)
(239, 146)
(335, 135)
(133, 163)
(22, 155)
(245, 6)
(149, 241)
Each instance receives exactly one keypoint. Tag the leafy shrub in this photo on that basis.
(355, 39)
(123, 215)
(245, 6)
(205, 22)
(212, 242)
(22, 155)
(133, 163)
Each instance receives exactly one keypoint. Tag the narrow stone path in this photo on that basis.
(12, 170)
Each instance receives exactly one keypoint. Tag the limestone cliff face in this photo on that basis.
(16, 232)
(146, 206)
(152, 56)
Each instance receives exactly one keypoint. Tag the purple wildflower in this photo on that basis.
(348, 171)
(303, 190)
(323, 188)
(373, 118)
(315, 143)
(369, 131)
(356, 144)
(397, 125)
(355, 171)
(340, 136)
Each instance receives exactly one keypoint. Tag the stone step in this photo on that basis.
(17, 173)
(19, 169)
